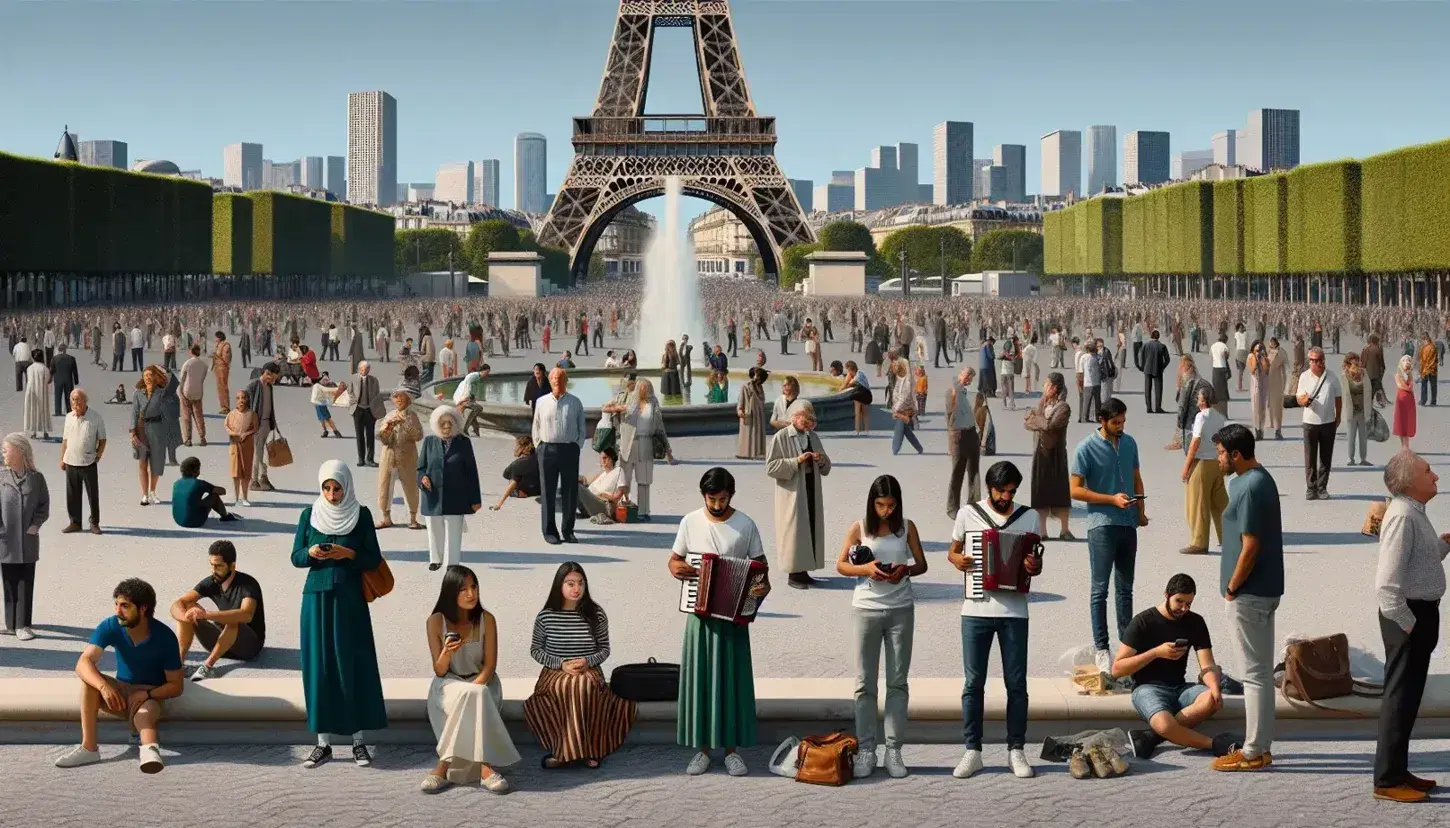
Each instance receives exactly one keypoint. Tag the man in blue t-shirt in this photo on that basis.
(1251, 578)
(192, 498)
(1105, 476)
(148, 671)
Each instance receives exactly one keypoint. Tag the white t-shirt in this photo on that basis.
(608, 481)
(1205, 425)
(884, 595)
(1241, 341)
(611, 362)
(1320, 409)
(1219, 352)
(997, 603)
(735, 537)
(21, 352)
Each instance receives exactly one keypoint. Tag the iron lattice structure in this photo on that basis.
(726, 156)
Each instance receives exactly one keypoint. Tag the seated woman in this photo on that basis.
(718, 388)
(465, 695)
(309, 363)
(522, 474)
(572, 712)
(598, 495)
(292, 370)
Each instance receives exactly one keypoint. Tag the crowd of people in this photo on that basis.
(572, 712)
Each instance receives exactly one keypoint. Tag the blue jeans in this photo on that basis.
(1112, 550)
(903, 431)
(1011, 636)
(1151, 699)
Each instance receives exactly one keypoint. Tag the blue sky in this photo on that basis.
(180, 80)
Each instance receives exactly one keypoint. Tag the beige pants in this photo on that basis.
(223, 390)
(1204, 499)
(407, 475)
(191, 410)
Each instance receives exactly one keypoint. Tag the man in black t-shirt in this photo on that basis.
(1154, 651)
(237, 628)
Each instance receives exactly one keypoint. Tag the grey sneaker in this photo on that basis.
(895, 765)
(735, 765)
(699, 764)
(77, 757)
(203, 672)
(864, 764)
(151, 759)
(24, 634)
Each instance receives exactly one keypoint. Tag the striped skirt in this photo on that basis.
(717, 686)
(574, 718)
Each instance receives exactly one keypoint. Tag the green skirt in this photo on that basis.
(717, 686)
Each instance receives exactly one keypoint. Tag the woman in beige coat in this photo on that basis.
(399, 433)
(638, 426)
(750, 444)
(1276, 385)
(797, 461)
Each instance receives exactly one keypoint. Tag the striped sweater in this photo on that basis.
(563, 635)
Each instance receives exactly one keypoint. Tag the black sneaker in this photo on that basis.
(1145, 742)
(229, 516)
(318, 756)
(360, 755)
(1224, 744)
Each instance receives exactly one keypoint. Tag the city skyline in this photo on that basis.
(435, 113)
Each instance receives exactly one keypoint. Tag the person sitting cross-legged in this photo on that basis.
(600, 494)
(148, 671)
(193, 498)
(1154, 650)
(237, 628)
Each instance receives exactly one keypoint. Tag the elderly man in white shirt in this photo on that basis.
(82, 443)
(138, 347)
(21, 353)
(559, 432)
(1320, 397)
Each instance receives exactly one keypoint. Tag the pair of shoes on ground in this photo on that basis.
(700, 763)
(23, 633)
(433, 783)
(1099, 760)
(971, 763)
(1413, 789)
(323, 753)
(865, 764)
(79, 756)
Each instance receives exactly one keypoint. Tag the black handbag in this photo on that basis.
(648, 682)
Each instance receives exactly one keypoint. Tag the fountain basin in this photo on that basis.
(504, 409)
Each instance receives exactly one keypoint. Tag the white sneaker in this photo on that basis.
(699, 764)
(970, 764)
(1104, 661)
(25, 634)
(895, 765)
(1017, 760)
(246, 502)
(864, 765)
(77, 757)
(151, 759)
(735, 765)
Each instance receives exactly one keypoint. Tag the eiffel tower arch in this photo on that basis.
(726, 156)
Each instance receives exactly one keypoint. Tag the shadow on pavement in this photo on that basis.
(492, 557)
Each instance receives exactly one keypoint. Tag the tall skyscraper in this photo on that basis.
(908, 173)
(103, 153)
(311, 169)
(372, 147)
(1062, 163)
(1102, 158)
(1272, 140)
(953, 173)
(242, 166)
(485, 182)
(836, 195)
(847, 177)
(1012, 158)
(337, 176)
(878, 185)
(1188, 162)
(1146, 157)
(454, 183)
(996, 181)
(980, 182)
(531, 172)
(803, 189)
(1225, 147)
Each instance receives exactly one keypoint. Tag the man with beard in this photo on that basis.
(236, 629)
(1154, 650)
(148, 671)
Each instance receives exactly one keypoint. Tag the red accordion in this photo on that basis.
(723, 589)
(1001, 555)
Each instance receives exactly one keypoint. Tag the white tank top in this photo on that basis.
(884, 595)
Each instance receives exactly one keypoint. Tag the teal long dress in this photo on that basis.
(340, 678)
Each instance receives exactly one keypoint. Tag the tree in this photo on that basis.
(853, 236)
(1008, 250)
(423, 251)
(794, 268)
(924, 245)
(596, 266)
(484, 237)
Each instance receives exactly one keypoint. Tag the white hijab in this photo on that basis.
(340, 519)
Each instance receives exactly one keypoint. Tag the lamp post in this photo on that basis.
(942, 256)
(905, 280)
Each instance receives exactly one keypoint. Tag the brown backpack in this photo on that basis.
(826, 760)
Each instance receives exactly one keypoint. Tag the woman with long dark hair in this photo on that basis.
(572, 712)
(882, 552)
(537, 386)
(670, 371)
(465, 694)
(429, 352)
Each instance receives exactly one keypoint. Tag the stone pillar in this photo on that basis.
(515, 275)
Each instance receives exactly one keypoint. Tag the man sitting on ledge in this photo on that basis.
(236, 629)
(192, 498)
(1155, 651)
(148, 671)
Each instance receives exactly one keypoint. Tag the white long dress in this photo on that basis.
(465, 716)
(37, 399)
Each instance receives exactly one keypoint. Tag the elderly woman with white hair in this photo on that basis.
(448, 478)
(24, 506)
(797, 461)
(641, 425)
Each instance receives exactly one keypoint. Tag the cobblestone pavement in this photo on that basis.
(1314, 784)
(1330, 566)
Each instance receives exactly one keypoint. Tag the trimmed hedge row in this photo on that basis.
(361, 242)
(1323, 218)
(1228, 227)
(231, 234)
(1405, 203)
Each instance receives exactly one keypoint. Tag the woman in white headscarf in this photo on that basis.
(336, 542)
(37, 396)
(448, 478)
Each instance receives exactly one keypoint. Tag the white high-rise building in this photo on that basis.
(1225, 147)
(953, 168)
(311, 170)
(1012, 158)
(1271, 141)
(1188, 162)
(454, 183)
(242, 167)
(485, 182)
(372, 147)
(337, 176)
(1062, 163)
(1102, 158)
(980, 180)
(1146, 157)
(531, 172)
(102, 153)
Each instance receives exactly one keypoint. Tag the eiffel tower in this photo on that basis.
(726, 156)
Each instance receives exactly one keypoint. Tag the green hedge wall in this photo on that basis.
(361, 242)
(1324, 218)
(35, 221)
(1382, 205)
(1267, 197)
(231, 234)
(1102, 231)
(1228, 227)
(1405, 200)
(291, 235)
(1135, 218)
(1051, 244)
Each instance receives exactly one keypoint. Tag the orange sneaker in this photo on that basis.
(1236, 761)
(1419, 784)
(1400, 793)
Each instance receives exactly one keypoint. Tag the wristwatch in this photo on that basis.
(1232, 593)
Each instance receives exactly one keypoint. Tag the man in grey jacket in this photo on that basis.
(367, 409)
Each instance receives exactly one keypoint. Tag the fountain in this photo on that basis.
(671, 303)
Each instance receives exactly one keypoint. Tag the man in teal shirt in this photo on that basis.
(193, 498)
(1251, 578)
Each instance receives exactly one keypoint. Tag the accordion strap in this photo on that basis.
(990, 524)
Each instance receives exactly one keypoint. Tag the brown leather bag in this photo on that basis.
(377, 582)
(1317, 668)
(826, 760)
(279, 454)
(1373, 518)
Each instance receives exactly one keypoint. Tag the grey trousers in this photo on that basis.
(591, 504)
(893, 631)
(1252, 620)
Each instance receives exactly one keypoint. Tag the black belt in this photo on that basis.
(465, 678)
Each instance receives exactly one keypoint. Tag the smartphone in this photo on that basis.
(452, 636)
(325, 547)
(1181, 643)
(1136, 498)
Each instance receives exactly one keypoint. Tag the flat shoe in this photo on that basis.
(433, 783)
(386, 524)
(497, 784)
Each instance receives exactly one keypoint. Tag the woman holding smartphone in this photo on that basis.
(882, 552)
